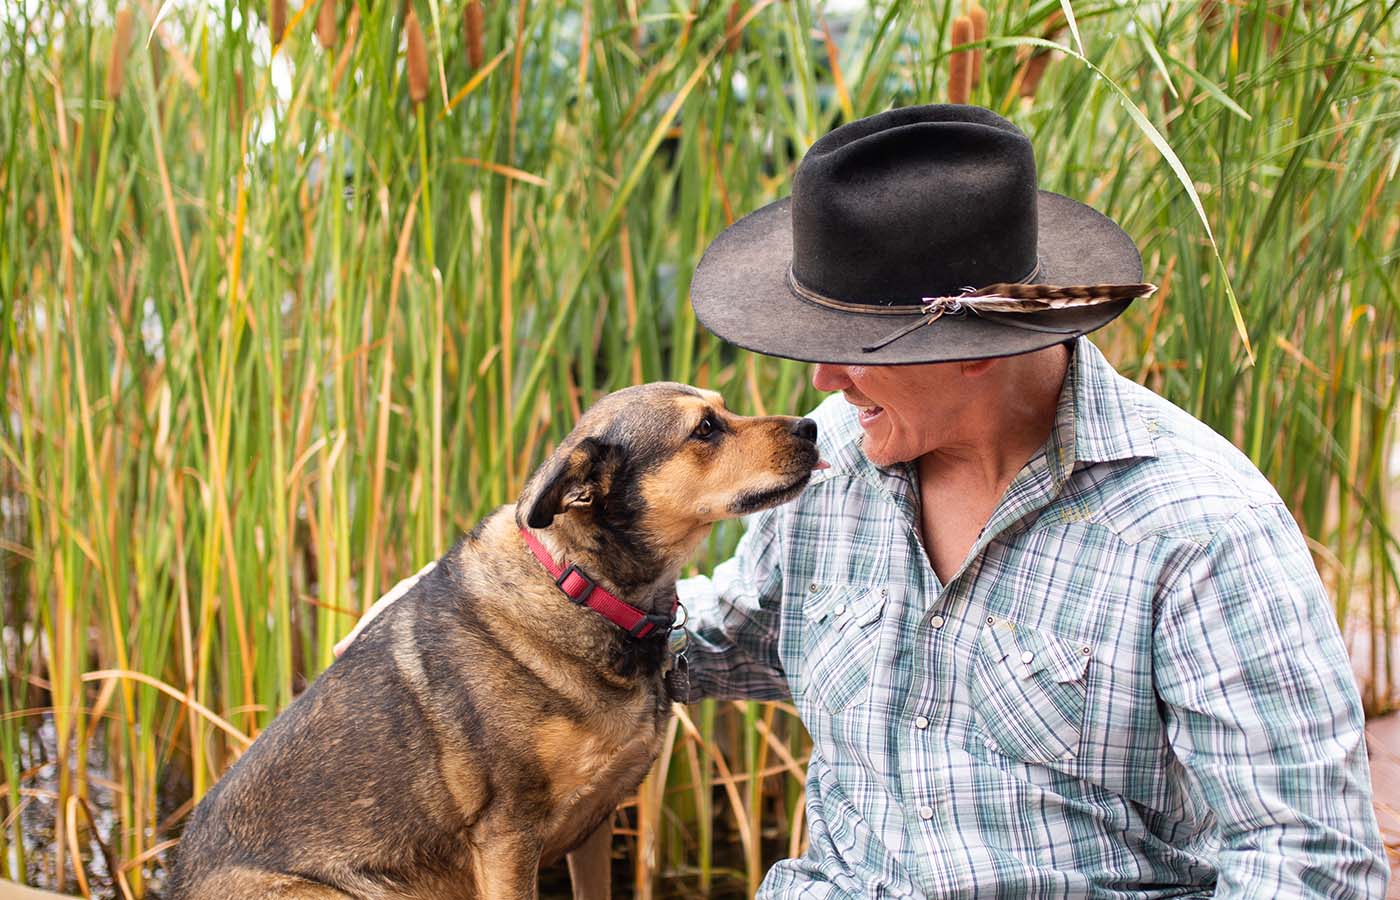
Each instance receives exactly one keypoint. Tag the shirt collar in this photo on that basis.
(1097, 418)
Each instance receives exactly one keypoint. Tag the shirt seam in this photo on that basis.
(1200, 547)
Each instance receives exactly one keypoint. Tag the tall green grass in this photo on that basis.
(273, 333)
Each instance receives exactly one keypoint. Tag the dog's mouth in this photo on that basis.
(807, 461)
(753, 501)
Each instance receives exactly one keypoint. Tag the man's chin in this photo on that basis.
(879, 455)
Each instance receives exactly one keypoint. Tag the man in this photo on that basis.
(1051, 636)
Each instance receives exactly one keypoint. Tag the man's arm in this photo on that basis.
(380, 605)
(1262, 711)
(732, 621)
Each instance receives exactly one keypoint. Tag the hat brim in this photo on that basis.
(740, 292)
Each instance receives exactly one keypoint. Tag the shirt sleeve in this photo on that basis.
(1262, 712)
(733, 619)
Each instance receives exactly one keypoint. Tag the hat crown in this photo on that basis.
(912, 203)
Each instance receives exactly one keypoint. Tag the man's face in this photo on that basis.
(905, 411)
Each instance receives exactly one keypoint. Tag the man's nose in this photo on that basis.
(830, 377)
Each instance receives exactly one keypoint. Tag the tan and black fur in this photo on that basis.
(484, 724)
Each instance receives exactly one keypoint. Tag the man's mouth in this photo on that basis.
(866, 411)
(869, 414)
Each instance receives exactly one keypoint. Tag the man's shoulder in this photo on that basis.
(1194, 483)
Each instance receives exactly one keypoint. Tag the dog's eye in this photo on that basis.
(705, 428)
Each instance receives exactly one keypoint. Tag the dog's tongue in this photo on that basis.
(821, 464)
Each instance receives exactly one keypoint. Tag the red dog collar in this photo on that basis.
(584, 591)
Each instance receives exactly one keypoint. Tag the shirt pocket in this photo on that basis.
(840, 640)
(1028, 689)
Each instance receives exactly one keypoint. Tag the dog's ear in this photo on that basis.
(566, 481)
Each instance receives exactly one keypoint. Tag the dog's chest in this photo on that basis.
(592, 766)
(578, 755)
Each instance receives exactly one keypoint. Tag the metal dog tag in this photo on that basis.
(678, 680)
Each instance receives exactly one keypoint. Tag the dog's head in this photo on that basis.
(649, 469)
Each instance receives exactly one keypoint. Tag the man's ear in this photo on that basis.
(566, 481)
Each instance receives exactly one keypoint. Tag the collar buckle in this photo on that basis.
(577, 593)
(650, 624)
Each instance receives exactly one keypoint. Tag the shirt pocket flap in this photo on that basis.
(1033, 651)
(998, 640)
(841, 604)
(839, 647)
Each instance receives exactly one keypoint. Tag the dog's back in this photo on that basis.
(336, 771)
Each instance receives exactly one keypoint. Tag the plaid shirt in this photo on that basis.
(1133, 687)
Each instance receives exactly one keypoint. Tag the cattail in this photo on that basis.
(352, 33)
(1033, 70)
(736, 10)
(960, 62)
(325, 25)
(475, 23)
(157, 53)
(235, 110)
(121, 41)
(625, 12)
(1210, 15)
(1277, 15)
(978, 15)
(277, 20)
(417, 59)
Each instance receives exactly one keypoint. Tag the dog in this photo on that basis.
(490, 720)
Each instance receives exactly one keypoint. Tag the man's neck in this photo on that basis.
(1003, 429)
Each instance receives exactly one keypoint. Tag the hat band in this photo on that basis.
(1017, 298)
(867, 309)
(1003, 297)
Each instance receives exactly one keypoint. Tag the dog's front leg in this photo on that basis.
(590, 864)
(509, 869)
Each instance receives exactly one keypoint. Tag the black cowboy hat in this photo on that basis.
(912, 236)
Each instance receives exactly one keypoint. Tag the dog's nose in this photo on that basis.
(805, 429)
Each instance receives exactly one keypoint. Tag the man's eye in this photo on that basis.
(704, 429)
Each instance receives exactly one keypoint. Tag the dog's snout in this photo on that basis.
(805, 429)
